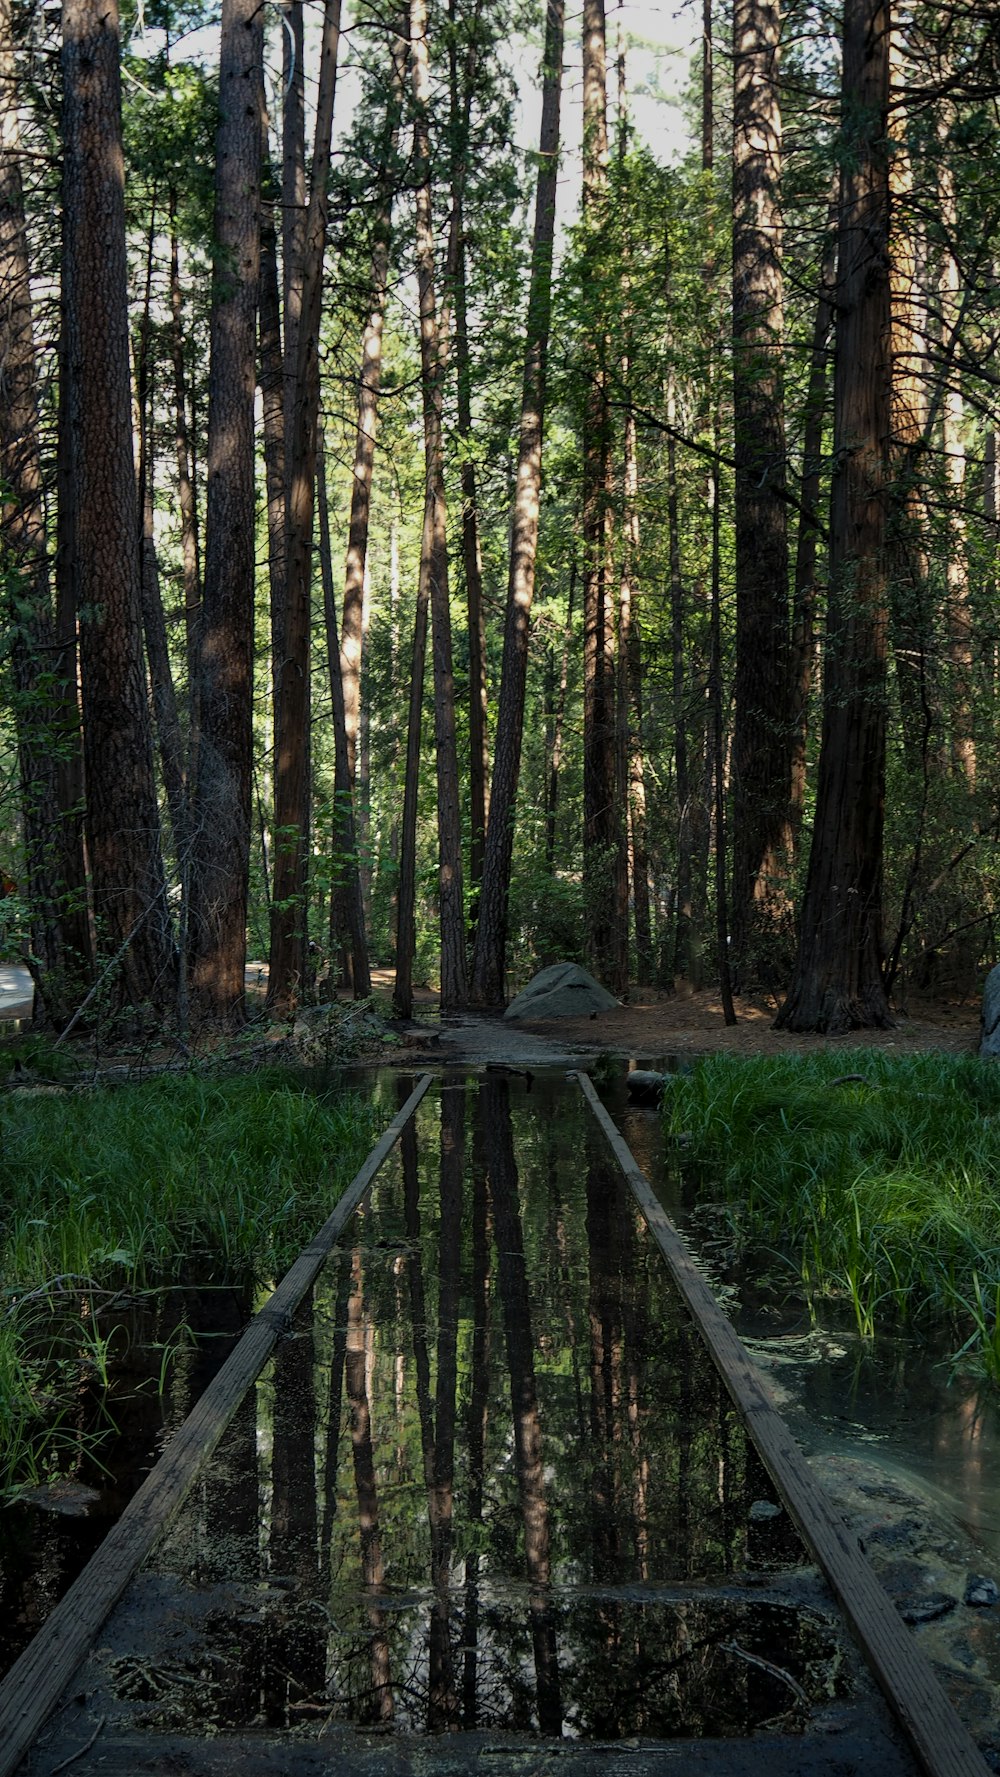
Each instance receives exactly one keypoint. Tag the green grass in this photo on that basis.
(883, 1190)
(125, 1190)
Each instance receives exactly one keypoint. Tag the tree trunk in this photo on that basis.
(489, 972)
(347, 913)
(434, 542)
(762, 735)
(223, 792)
(804, 608)
(185, 483)
(289, 908)
(959, 615)
(130, 905)
(837, 982)
(460, 102)
(558, 722)
(166, 719)
(271, 377)
(24, 559)
(602, 851)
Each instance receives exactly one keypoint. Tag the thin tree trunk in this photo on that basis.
(347, 912)
(434, 542)
(23, 547)
(489, 971)
(837, 982)
(762, 736)
(130, 903)
(369, 384)
(959, 616)
(166, 718)
(70, 791)
(601, 848)
(479, 764)
(559, 718)
(223, 790)
(804, 606)
(289, 910)
(718, 748)
(191, 564)
(271, 377)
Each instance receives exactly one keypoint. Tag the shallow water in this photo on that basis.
(490, 1477)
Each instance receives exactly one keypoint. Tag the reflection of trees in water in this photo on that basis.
(474, 1566)
(356, 1355)
(514, 1297)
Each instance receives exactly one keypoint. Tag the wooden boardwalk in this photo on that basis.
(861, 1738)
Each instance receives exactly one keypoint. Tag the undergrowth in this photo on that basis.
(122, 1190)
(876, 1177)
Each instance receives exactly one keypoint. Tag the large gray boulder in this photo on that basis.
(563, 990)
(989, 1042)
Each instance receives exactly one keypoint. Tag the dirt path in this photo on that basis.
(655, 1024)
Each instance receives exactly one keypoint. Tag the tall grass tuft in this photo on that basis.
(876, 1177)
(175, 1179)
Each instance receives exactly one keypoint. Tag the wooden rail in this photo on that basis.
(941, 1744)
(34, 1684)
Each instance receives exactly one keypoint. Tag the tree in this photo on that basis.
(837, 981)
(222, 798)
(489, 970)
(123, 829)
(762, 733)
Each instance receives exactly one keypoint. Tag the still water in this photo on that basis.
(489, 1479)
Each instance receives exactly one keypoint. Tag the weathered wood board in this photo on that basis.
(35, 1682)
(940, 1742)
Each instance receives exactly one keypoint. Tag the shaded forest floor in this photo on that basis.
(656, 1023)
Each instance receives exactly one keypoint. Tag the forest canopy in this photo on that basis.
(422, 549)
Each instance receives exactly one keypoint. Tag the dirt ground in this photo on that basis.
(658, 1023)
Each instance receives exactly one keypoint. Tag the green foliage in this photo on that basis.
(117, 1191)
(874, 1177)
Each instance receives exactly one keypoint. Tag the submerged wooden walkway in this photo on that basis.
(940, 1745)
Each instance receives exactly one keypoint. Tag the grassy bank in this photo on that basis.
(877, 1178)
(120, 1191)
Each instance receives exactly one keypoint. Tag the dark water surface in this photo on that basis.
(488, 1480)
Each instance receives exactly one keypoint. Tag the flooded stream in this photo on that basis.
(490, 1478)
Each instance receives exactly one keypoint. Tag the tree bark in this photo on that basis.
(223, 792)
(123, 829)
(762, 735)
(24, 560)
(601, 845)
(489, 971)
(804, 605)
(837, 981)
(289, 908)
(434, 542)
(347, 912)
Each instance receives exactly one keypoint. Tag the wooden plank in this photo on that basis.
(34, 1684)
(942, 1745)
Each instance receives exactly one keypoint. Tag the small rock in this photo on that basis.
(644, 1086)
(763, 1511)
(928, 1609)
(981, 1591)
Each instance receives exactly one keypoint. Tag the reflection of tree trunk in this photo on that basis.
(478, 1410)
(443, 1703)
(333, 1409)
(513, 1286)
(365, 1484)
(605, 1336)
(295, 1666)
(438, 1465)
